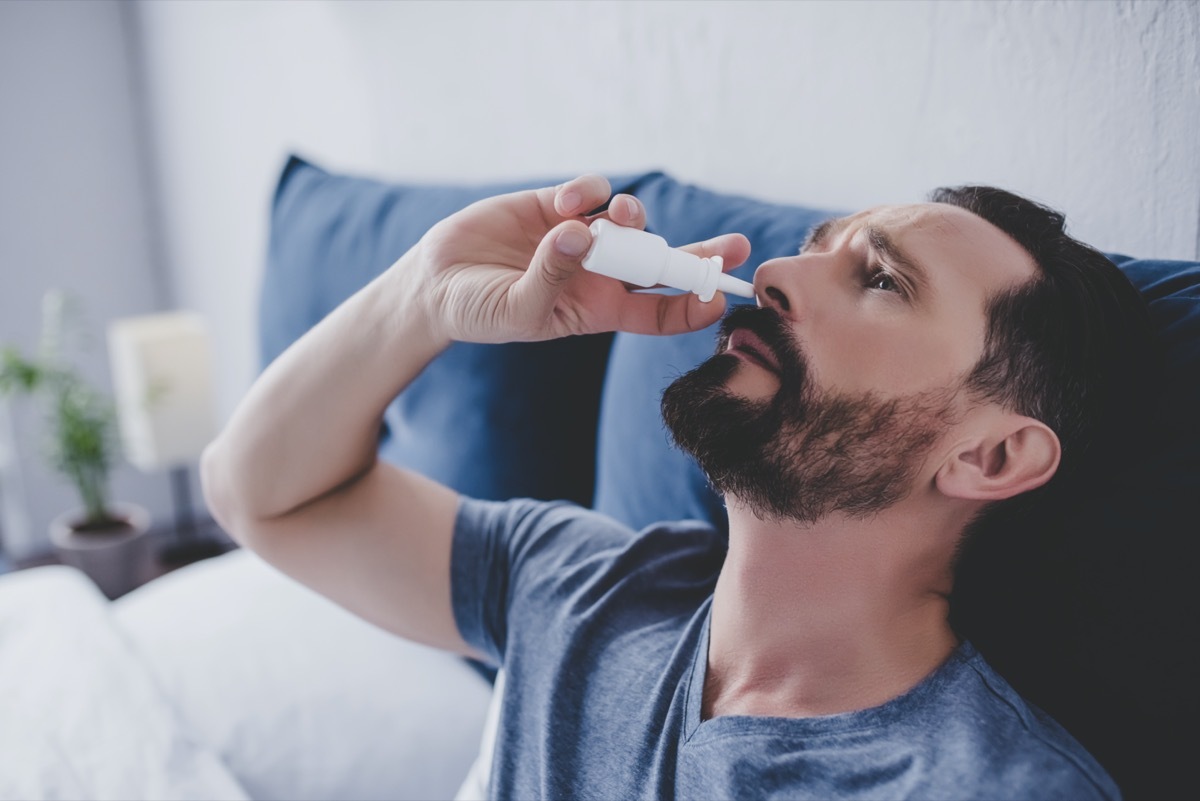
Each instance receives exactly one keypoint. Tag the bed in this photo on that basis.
(227, 680)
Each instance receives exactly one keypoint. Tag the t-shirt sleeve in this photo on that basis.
(512, 561)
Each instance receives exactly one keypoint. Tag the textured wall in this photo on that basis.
(1091, 106)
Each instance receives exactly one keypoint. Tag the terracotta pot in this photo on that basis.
(113, 556)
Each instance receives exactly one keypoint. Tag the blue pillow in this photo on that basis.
(1090, 611)
(640, 477)
(490, 421)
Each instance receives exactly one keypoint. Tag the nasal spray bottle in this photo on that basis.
(638, 257)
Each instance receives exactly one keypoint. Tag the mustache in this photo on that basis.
(769, 326)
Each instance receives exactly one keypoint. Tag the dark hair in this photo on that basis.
(1046, 600)
(1067, 348)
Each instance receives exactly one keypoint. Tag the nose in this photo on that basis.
(772, 287)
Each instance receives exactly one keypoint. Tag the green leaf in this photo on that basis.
(82, 421)
(17, 374)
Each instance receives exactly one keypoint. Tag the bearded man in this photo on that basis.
(910, 372)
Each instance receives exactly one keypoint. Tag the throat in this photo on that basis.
(806, 627)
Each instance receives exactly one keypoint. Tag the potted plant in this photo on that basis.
(103, 538)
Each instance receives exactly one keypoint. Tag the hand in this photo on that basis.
(508, 269)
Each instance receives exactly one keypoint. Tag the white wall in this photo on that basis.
(1090, 106)
(73, 214)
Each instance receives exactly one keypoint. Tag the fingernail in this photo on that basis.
(569, 202)
(571, 243)
(631, 207)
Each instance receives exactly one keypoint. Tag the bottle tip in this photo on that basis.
(735, 286)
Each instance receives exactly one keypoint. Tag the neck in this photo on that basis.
(831, 617)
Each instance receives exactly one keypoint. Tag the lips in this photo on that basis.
(747, 344)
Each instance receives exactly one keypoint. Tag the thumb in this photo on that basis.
(558, 257)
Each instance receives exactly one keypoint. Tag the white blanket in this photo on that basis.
(80, 715)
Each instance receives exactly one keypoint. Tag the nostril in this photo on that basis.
(778, 296)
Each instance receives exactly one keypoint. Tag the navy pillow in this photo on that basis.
(1090, 610)
(490, 421)
(640, 477)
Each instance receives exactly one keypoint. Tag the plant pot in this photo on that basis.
(112, 556)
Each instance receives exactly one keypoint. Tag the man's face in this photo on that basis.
(832, 394)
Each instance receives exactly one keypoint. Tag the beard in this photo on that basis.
(805, 452)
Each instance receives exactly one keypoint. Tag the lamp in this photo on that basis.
(162, 377)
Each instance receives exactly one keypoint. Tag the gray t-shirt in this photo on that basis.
(603, 633)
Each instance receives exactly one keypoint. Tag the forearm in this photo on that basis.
(311, 422)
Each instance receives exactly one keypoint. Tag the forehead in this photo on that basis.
(958, 249)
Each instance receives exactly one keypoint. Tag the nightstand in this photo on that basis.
(162, 552)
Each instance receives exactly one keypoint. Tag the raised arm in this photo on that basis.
(295, 477)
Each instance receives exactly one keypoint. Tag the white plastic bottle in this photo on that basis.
(638, 257)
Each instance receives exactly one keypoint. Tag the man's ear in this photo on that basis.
(1019, 457)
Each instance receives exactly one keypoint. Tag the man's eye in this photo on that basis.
(885, 281)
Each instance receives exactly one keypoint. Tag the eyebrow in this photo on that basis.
(880, 242)
(886, 246)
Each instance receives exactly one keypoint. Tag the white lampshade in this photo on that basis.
(163, 380)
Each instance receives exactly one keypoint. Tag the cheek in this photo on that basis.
(891, 359)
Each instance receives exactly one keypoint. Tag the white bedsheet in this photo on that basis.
(301, 699)
(80, 715)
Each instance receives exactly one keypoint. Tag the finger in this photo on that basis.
(625, 210)
(734, 249)
(577, 196)
(558, 257)
(668, 314)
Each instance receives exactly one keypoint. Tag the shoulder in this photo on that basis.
(525, 525)
(530, 515)
(568, 533)
(1019, 745)
(560, 565)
